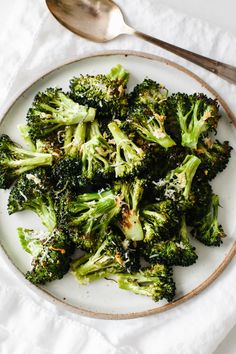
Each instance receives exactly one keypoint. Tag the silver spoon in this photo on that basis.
(102, 21)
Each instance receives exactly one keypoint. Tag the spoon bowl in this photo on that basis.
(102, 21)
(96, 20)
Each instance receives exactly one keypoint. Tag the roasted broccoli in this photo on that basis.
(51, 252)
(129, 221)
(208, 230)
(146, 115)
(176, 251)
(33, 191)
(92, 213)
(214, 157)
(52, 110)
(200, 199)
(122, 178)
(14, 160)
(196, 114)
(113, 256)
(159, 220)
(129, 158)
(155, 281)
(96, 157)
(176, 185)
(106, 93)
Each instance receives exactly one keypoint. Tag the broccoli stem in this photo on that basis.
(78, 139)
(191, 164)
(131, 152)
(24, 132)
(186, 171)
(47, 214)
(28, 164)
(83, 114)
(103, 206)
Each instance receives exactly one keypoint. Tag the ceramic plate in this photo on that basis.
(103, 298)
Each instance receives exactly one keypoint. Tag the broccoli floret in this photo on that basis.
(214, 157)
(106, 93)
(51, 252)
(14, 160)
(159, 220)
(200, 197)
(155, 281)
(196, 114)
(53, 109)
(33, 191)
(208, 230)
(96, 157)
(129, 158)
(176, 185)
(113, 256)
(129, 222)
(146, 115)
(92, 213)
(177, 251)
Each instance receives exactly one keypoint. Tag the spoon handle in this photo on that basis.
(225, 71)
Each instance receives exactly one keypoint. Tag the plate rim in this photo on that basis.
(131, 315)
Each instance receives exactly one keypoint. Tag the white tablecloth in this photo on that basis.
(33, 42)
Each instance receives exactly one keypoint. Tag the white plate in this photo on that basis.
(103, 298)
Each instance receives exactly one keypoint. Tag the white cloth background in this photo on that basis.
(33, 42)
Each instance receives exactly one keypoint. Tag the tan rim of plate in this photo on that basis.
(110, 316)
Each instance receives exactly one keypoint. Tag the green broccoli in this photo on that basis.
(52, 110)
(33, 191)
(155, 281)
(114, 255)
(106, 93)
(96, 157)
(214, 157)
(159, 220)
(176, 251)
(196, 115)
(176, 185)
(51, 252)
(92, 213)
(14, 160)
(208, 230)
(129, 158)
(146, 114)
(131, 194)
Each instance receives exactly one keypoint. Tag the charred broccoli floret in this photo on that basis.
(214, 157)
(67, 171)
(176, 185)
(51, 252)
(129, 221)
(92, 213)
(96, 157)
(155, 281)
(106, 93)
(200, 197)
(113, 256)
(14, 160)
(146, 114)
(176, 251)
(159, 220)
(208, 230)
(129, 158)
(53, 109)
(33, 191)
(196, 114)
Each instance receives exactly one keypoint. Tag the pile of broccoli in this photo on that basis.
(123, 177)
